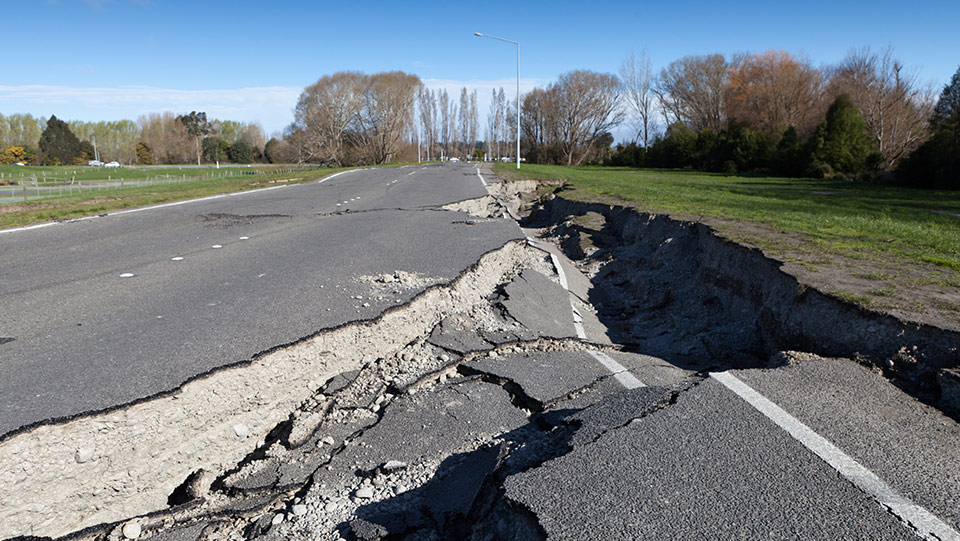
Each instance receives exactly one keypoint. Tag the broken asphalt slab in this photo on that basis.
(545, 377)
(540, 304)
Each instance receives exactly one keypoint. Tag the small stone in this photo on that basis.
(392, 466)
(83, 454)
(444, 357)
(241, 430)
(277, 519)
(407, 356)
(131, 530)
(366, 305)
(364, 492)
(331, 507)
(327, 440)
(299, 510)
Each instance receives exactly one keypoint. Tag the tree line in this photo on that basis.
(162, 138)
(864, 118)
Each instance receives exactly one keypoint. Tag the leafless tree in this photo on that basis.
(166, 137)
(325, 112)
(691, 90)
(385, 114)
(587, 104)
(773, 90)
(895, 108)
(473, 123)
(636, 76)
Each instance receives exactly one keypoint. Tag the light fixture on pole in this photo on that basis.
(478, 34)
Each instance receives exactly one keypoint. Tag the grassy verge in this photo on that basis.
(896, 241)
(99, 202)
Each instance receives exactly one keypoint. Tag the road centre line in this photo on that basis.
(924, 523)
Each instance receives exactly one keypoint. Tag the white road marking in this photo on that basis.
(178, 258)
(244, 238)
(127, 275)
(216, 246)
(924, 523)
(481, 176)
(324, 179)
(620, 373)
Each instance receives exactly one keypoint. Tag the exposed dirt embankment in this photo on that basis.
(718, 299)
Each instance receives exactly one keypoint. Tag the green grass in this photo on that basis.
(856, 220)
(99, 202)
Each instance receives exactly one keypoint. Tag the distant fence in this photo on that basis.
(32, 188)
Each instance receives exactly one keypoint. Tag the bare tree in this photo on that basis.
(427, 124)
(448, 121)
(166, 137)
(473, 123)
(771, 91)
(636, 76)
(325, 112)
(895, 108)
(691, 90)
(385, 114)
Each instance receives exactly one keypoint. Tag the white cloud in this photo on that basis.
(272, 106)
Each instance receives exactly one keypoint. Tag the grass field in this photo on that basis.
(101, 191)
(902, 245)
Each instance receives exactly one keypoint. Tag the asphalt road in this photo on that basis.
(258, 270)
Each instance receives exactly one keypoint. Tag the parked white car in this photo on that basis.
(95, 163)
(112, 164)
(454, 160)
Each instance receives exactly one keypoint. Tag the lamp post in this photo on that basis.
(478, 34)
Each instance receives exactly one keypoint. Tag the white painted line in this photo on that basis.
(127, 275)
(217, 246)
(208, 198)
(27, 228)
(924, 523)
(324, 179)
(481, 176)
(560, 273)
(178, 258)
(244, 238)
(620, 373)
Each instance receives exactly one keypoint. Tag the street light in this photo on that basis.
(478, 34)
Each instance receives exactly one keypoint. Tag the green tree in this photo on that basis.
(241, 152)
(936, 164)
(270, 151)
(677, 149)
(790, 159)
(144, 156)
(842, 142)
(58, 145)
(196, 125)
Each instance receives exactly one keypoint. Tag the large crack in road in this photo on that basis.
(465, 412)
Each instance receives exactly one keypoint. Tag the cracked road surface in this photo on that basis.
(477, 396)
(87, 339)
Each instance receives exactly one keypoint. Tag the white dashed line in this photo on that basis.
(244, 238)
(127, 275)
(217, 246)
(924, 523)
(178, 258)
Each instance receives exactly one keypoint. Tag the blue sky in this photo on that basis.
(248, 61)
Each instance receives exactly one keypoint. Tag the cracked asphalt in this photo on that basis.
(498, 423)
(84, 338)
